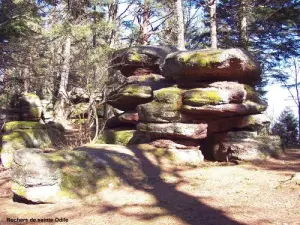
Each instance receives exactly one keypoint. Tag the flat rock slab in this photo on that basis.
(253, 122)
(213, 96)
(176, 144)
(212, 65)
(174, 130)
(224, 110)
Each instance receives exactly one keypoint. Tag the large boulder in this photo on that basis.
(212, 65)
(72, 175)
(30, 107)
(174, 130)
(246, 146)
(164, 108)
(141, 60)
(33, 177)
(129, 97)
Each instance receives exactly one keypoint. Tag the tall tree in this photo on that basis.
(286, 128)
(213, 23)
(180, 25)
(243, 23)
(290, 79)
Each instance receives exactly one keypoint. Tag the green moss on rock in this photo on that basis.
(201, 59)
(134, 57)
(137, 90)
(26, 138)
(15, 125)
(121, 137)
(199, 97)
(31, 95)
(168, 95)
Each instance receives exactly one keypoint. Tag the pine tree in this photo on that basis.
(287, 128)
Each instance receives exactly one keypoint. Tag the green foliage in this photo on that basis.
(287, 128)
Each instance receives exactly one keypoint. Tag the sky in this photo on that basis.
(278, 98)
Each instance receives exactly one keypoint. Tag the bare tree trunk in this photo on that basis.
(145, 24)
(298, 124)
(243, 24)
(213, 24)
(180, 23)
(112, 15)
(64, 78)
(25, 75)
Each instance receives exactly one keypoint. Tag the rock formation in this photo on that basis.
(25, 129)
(190, 99)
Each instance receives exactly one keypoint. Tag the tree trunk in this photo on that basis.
(180, 25)
(243, 24)
(298, 124)
(25, 76)
(213, 23)
(112, 15)
(64, 78)
(145, 35)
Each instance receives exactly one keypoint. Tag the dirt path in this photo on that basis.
(212, 193)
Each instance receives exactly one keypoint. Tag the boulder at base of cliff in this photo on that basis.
(212, 65)
(245, 146)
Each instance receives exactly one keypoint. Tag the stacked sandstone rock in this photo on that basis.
(24, 129)
(180, 100)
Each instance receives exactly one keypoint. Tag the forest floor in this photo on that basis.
(212, 193)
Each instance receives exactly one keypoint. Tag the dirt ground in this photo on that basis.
(212, 193)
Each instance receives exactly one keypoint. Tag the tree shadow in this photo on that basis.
(179, 204)
(184, 206)
(287, 163)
